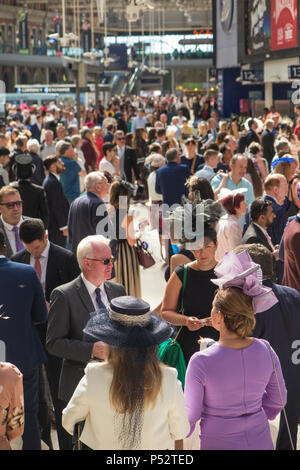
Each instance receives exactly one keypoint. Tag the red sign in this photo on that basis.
(284, 34)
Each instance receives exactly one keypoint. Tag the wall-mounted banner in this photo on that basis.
(23, 32)
(58, 29)
(259, 26)
(86, 36)
(284, 24)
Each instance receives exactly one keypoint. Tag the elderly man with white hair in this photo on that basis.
(48, 146)
(71, 306)
(88, 213)
(33, 147)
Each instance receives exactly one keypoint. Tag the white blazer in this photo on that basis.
(162, 425)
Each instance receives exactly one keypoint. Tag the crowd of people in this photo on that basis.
(73, 323)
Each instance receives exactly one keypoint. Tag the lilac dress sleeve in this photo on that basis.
(271, 401)
(194, 389)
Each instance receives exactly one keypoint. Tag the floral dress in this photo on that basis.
(11, 404)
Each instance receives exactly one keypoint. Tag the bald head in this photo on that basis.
(276, 186)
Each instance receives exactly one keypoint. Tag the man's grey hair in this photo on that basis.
(280, 144)
(33, 146)
(61, 147)
(171, 154)
(85, 248)
(93, 178)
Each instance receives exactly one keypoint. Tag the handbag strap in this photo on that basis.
(185, 270)
(280, 393)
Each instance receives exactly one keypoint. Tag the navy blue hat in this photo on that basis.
(128, 323)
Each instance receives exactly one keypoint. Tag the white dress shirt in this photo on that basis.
(11, 234)
(43, 262)
(91, 290)
(105, 165)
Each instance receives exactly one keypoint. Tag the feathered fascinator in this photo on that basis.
(128, 186)
(187, 222)
(238, 270)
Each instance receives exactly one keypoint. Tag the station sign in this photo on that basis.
(293, 72)
(48, 89)
(252, 75)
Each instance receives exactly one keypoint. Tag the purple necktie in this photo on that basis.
(19, 244)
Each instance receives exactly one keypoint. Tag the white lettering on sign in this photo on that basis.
(281, 5)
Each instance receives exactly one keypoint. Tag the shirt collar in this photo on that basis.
(11, 227)
(272, 197)
(54, 174)
(46, 250)
(263, 230)
(90, 287)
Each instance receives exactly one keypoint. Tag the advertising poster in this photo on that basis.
(284, 24)
(118, 52)
(259, 26)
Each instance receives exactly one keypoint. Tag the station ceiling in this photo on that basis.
(180, 15)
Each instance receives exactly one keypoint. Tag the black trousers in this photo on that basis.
(53, 369)
(31, 435)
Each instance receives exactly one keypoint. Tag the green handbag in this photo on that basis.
(170, 352)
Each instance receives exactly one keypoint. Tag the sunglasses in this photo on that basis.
(104, 261)
(11, 205)
(120, 138)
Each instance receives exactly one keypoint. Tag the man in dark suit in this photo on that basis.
(70, 307)
(267, 140)
(251, 135)
(55, 266)
(275, 191)
(109, 134)
(128, 159)
(88, 214)
(171, 179)
(280, 326)
(262, 216)
(34, 198)
(23, 302)
(11, 219)
(57, 202)
(36, 128)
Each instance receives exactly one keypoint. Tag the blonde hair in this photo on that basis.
(237, 310)
(8, 191)
(284, 168)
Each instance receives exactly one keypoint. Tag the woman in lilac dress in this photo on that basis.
(232, 386)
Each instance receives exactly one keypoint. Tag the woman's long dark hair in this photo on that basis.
(256, 181)
(136, 384)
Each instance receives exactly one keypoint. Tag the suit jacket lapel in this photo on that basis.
(9, 251)
(51, 267)
(84, 295)
(262, 236)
